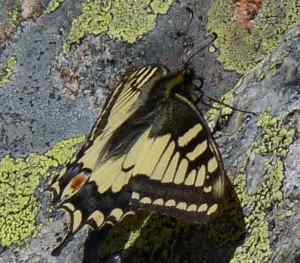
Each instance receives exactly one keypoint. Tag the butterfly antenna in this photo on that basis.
(213, 38)
(228, 106)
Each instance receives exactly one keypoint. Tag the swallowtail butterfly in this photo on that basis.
(151, 148)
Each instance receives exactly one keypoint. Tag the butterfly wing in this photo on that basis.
(86, 188)
(179, 170)
(150, 148)
(121, 104)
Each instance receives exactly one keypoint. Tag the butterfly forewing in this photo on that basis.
(120, 105)
(150, 148)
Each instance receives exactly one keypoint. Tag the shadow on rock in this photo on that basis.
(157, 238)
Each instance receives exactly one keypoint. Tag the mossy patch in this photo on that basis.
(161, 6)
(8, 71)
(14, 13)
(219, 112)
(275, 138)
(241, 50)
(19, 179)
(122, 20)
(274, 141)
(53, 5)
(131, 20)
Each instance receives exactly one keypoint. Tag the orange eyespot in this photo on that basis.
(78, 181)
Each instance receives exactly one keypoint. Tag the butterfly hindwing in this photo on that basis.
(179, 170)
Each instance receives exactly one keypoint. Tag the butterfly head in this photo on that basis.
(179, 82)
(187, 73)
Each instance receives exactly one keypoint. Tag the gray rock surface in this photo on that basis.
(36, 112)
(278, 92)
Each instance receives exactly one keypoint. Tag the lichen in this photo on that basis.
(93, 20)
(274, 141)
(53, 5)
(131, 19)
(275, 138)
(19, 179)
(121, 20)
(161, 6)
(14, 15)
(8, 71)
(220, 112)
(241, 50)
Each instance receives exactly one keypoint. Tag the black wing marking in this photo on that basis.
(179, 171)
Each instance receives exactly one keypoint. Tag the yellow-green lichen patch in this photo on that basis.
(19, 179)
(219, 112)
(275, 138)
(161, 6)
(53, 5)
(94, 19)
(241, 50)
(64, 150)
(131, 19)
(274, 141)
(8, 71)
(123, 20)
(14, 15)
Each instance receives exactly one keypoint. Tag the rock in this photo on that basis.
(53, 95)
(271, 87)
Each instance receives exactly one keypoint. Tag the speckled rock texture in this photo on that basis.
(58, 61)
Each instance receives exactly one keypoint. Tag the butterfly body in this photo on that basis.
(150, 149)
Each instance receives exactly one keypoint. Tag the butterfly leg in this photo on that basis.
(200, 99)
(231, 107)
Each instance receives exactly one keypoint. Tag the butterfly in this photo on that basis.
(150, 148)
